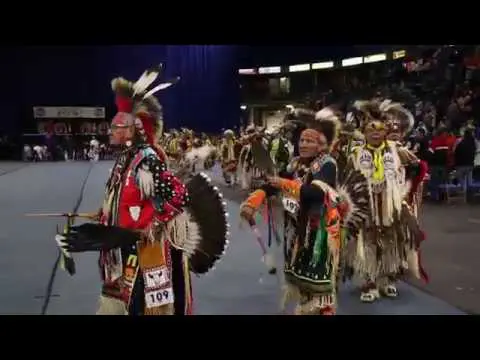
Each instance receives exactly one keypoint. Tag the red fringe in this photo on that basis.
(148, 127)
(423, 274)
(418, 179)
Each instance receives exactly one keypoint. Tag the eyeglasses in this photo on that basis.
(375, 125)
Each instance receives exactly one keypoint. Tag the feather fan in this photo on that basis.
(208, 211)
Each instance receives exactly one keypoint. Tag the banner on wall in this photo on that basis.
(68, 112)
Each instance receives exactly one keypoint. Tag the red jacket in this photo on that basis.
(444, 142)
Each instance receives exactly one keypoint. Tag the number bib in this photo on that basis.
(158, 290)
(159, 298)
(290, 205)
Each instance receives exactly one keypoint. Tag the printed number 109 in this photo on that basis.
(159, 297)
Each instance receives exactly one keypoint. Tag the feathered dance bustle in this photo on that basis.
(208, 211)
(354, 192)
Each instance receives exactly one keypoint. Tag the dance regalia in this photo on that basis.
(246, 161)
(313, 211)
(152, 232)
(279, 152)
(229, 157)
(262, 154)
(173, 149)
(186, 141)
(389, 242)
(201, 154)
(415, 183)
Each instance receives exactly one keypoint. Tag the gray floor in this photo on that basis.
(238, 285)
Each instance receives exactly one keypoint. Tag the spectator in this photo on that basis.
(465, 150)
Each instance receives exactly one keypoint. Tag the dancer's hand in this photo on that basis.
(274, 181)
(247, 213)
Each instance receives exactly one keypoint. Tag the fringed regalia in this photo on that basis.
(202, 155)
(389, 242)
(153, 228)
(314, 214)
(172, 146)
(248, 170)
(279, 151)
(229, 157)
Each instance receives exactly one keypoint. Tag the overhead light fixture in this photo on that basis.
(352, 61)
(299, 67)
(323, 65)
(374, 58)
(399, 54)
(243, 107)
(247, 71)
(270, 70)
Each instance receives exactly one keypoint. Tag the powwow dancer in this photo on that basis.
(229, 157)
(389, 242)
(201, 155)
(173, 149)
(153, 229)
(279, 149)
(246, 162)
(397, 132)
(312, 218)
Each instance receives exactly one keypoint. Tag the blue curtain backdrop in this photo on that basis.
(206, 99)
(208, 95)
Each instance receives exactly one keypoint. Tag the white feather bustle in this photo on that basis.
(199, 155)
(184, 233)
(325, 114)
(345, 196)
(327, 189)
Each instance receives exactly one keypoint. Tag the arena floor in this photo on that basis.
(238, 286)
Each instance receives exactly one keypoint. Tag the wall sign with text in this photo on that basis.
(68, 112)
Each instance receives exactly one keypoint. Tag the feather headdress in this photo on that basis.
(327, 121)
(134, 99)
(228, 133)
(349, 130)
(387, 111)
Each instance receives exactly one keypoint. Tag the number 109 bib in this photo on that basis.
(290, 205)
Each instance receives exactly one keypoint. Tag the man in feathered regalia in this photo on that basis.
(229, 157)
(315, 210)
(153, 230)
(389, 243)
